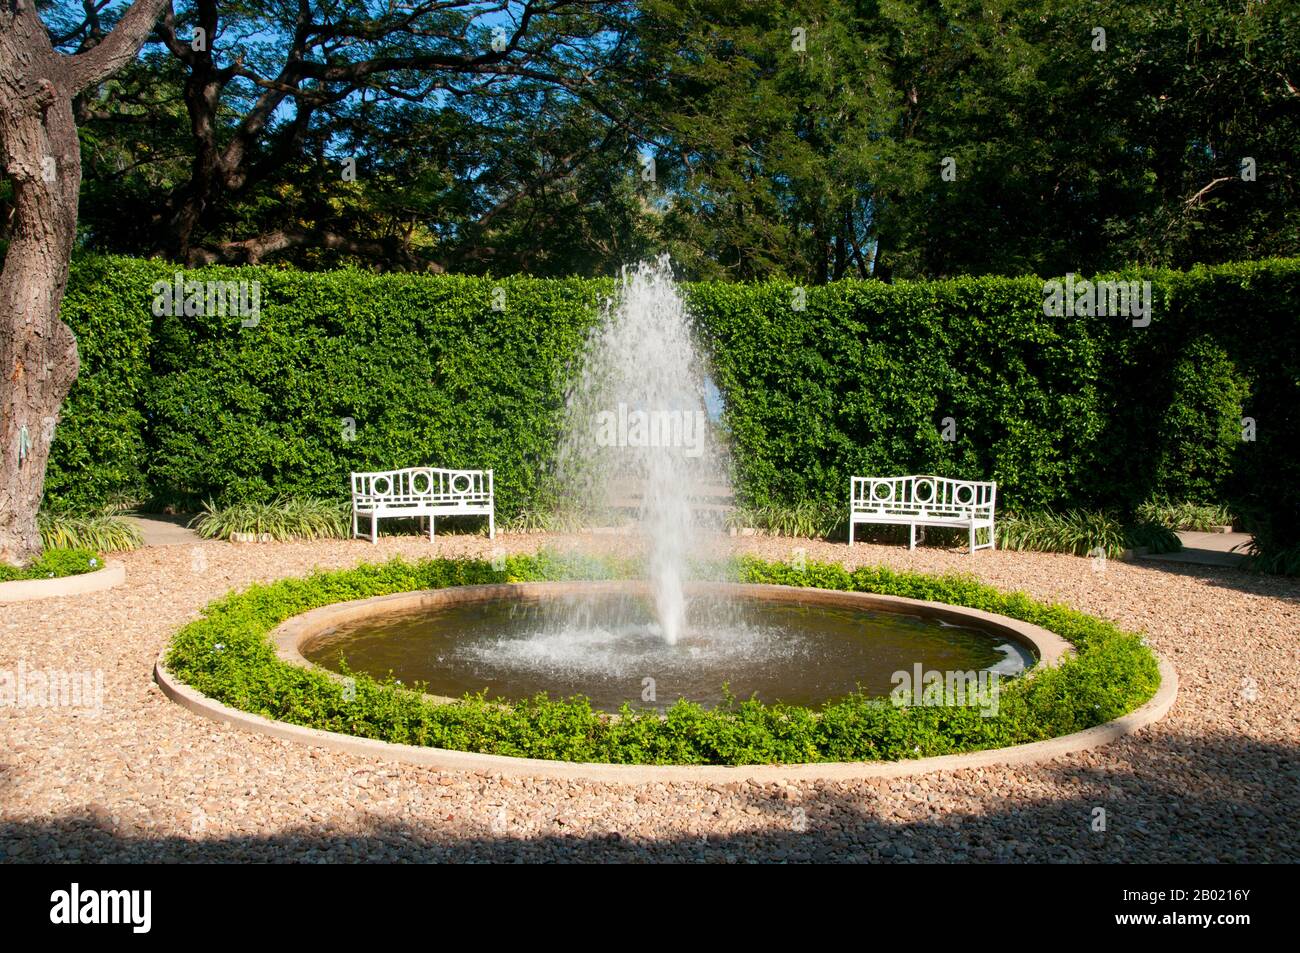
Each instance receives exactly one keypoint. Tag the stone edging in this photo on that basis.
(25, 590)
(295, 632)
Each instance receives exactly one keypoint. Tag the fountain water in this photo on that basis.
(637, 427)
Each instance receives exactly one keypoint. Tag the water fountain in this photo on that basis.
(637, 441)
(637, 428)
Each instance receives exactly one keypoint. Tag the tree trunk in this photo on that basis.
(38, 354)
(202, 93)
(42, 158)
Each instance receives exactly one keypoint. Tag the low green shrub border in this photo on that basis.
(228, 656)
(1282, 562)
(54, 563)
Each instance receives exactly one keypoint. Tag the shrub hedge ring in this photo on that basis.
(227, 656)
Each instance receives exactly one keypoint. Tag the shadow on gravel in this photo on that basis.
(1200, 800)
(1238, 580)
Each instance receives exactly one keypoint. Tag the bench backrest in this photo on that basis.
(423, 486)
(932, 495)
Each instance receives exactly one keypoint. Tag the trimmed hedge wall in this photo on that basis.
(352, 371)
(99, 447)
(1069, 411)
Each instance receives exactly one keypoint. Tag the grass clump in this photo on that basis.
(227, 655)
(1282, 562)
(283, 518)
(1199, 517)
(104, 532)
(1082, 533)
(807, 519)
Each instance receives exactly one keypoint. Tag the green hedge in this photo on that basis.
(99, 448)
(227, 656)
(1062, 412)
(424, 369)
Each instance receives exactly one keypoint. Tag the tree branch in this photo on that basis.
(253, 250)
(118, 48)
(1196, 199)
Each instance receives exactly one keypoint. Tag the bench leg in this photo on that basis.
(850, 532)
(354, 522)
(374, 528)
(492, 526)
(911, 539)
(430, 519)
(972, 538)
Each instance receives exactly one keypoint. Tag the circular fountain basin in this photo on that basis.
(301, 630)
(600, 640)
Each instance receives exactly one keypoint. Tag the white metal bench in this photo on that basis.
(923, 501)
(421, 491)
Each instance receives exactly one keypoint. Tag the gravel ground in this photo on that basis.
(144, 780)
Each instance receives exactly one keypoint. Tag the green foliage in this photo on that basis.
(1081, 533)
(1283, 562)
(98, 449)
(1064, 413)
(861, 382)
(1201, 517)
(1152, 537)
(423, 368)
(1191, 466)
(806, 519)
(54, 563)
(227, 656)
(1070, 412)
(542, 519)
(99, 531)
(817, 163)
(811, 160)
(285, 517)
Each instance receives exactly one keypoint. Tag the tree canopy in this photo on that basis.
(813, 140)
